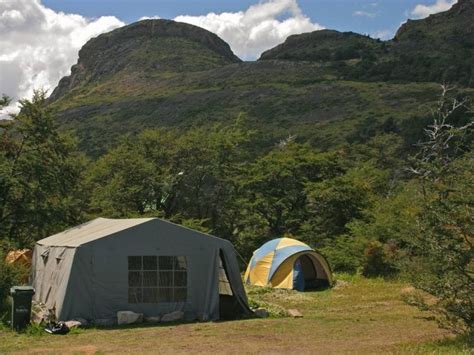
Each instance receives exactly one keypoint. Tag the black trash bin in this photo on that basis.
(21, 306)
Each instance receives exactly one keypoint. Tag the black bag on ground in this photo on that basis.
(56, 328)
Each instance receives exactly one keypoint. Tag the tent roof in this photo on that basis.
(90, 231)
(279, 249)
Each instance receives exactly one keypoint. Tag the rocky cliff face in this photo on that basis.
(456, 22)
(150, 47)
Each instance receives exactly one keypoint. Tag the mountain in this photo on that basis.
(149, 47)
(439, 48)
(326, 87)
(324, 46)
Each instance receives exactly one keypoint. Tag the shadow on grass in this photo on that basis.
(170, 324)
(36, 330)
(461, 344)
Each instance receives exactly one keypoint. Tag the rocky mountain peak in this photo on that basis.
(149, 47)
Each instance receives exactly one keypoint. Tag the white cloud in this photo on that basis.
(260, 27)
(383, 35)
(38, 45)
(149, 18)
(364, 14)
(422, 11)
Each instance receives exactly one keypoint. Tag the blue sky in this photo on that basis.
(380, 15)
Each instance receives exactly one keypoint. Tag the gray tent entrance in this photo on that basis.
(229, 305)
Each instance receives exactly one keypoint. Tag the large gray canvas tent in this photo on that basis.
(145, 265)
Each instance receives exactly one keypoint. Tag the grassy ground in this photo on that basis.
(359, 316)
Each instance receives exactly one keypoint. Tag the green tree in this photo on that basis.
(387, 222)
(441, 250)
(4, 101)
(332, 205)
(40, 172)
(343, 209)
(189, 178)
(207, 163)
(123, 182)
(274, 187)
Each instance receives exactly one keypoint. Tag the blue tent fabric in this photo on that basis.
(298, 276)
(266, 248)
(284, 253)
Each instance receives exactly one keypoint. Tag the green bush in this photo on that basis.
(274, 310)
(344, 254)
(379, 259)
(255, 299)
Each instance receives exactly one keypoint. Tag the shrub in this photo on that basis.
(344, 254)
(274, 310)
(379, 259)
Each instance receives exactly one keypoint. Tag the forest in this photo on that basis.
(397, 202)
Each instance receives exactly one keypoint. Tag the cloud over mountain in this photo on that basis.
(38, 45)
(260, 27)
(422, 11)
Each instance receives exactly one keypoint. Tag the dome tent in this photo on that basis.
(288, 263)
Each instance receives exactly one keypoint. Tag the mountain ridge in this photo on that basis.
(439, 48)
(174, 75)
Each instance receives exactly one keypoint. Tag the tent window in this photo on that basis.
(155, 279)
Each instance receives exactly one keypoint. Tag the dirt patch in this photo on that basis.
(83, 349)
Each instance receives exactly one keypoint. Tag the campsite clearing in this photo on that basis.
(361, 315)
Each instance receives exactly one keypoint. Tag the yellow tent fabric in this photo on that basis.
(288, 242)
(283, 277)
(287, 263)
(260, 273)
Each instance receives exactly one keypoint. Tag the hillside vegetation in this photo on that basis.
(319, 86)
(439, 48)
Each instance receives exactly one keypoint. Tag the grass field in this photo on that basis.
(359, 316)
